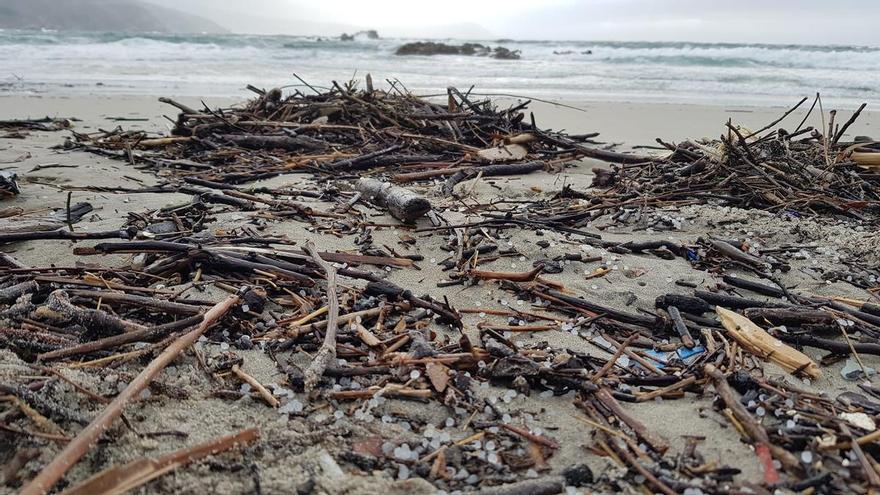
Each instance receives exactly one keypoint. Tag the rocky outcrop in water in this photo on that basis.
(470, 49)
(370, 34)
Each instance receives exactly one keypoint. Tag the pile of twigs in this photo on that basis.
(339, 132)
(803, 171)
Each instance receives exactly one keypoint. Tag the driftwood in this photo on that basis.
(13, 292)
(88, 437)
(402, 203)
(656, 442)
(606, 312)
(752, 427)
(688, 304)
(754, 339)
(258, 142)
(63, 234)
(27, 227)
(733, 301)
(169, 307)
(734, 253)
(786, 316)
(680, 327)
(58, 307)
(742, 283)
(147, 335)
(122, 478)
(837, 347)
(327, 353)
(491, 171)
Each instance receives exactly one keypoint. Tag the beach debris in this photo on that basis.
(327, 352)
(8, 184)
(757, 341)
(260, 186)
(402, 203)
(775, 171)
(125, 477)
(505, 153)
(54, 225)
(83, 442)
(44, 124)
(859, 420)
(854, 371)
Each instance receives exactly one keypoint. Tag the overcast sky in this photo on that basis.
(772, 21)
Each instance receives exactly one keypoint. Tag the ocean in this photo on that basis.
(41, 62)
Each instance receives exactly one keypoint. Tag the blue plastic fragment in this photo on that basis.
(685, 355)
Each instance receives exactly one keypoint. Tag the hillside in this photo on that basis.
(100, 15)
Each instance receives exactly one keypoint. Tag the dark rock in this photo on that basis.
(470, 49)
(431, 48)
(502, 53)
(364, 462)
(742, 382)
(578, 475)
(511, 367)
(550, 266)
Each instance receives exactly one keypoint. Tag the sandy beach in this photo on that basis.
(307, 452)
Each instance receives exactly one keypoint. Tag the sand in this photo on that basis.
(295, 454)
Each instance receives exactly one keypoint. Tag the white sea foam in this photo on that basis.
(221, 65)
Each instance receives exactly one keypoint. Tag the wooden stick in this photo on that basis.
(870, 473)
(88, 437)
(121, 478)
(264, 393)
(656, 442)
(147, 302)
(623, 452)
(665, 390)
(752, 428)
(680, 327)
(632, 355)
(610, 363)
(327, 353)
(512, 276)
(58, 306)
(539, 439)
(77, 386)
(406, 393)
(117, 340)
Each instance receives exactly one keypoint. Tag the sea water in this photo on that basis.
(44, 62)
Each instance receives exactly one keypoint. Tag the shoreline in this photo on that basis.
(660, 99)
(627, 123)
